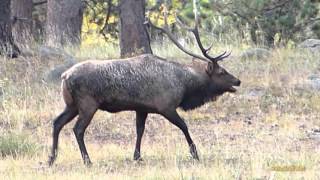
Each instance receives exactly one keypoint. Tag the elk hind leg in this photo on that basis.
(66, 116)
(85, 116)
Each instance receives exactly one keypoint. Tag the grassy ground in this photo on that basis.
(267, 130)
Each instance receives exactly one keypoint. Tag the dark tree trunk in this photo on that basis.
(21, 12)
(7, 46)
(253, 35)
(134, 38)
(64, 21)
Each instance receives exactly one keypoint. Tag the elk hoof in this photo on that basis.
(193, 151)
(88, 163)
(51, 160)
(137, 156)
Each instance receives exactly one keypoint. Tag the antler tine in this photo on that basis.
(166, 30)
(205, 51)
(195, 32)
(222, 56)
(209, 48)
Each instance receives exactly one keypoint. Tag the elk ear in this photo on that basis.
(210, 68)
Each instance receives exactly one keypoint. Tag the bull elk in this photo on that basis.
(144, 84)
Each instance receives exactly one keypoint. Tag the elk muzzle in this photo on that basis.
(236, 82)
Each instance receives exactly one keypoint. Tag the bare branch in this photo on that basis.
(277, 6)
(106, 23)
(39, 3)
(183, 25)
(299, 26)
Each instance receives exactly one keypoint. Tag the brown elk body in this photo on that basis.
(144, 84)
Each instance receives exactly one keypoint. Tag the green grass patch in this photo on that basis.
(16, 145)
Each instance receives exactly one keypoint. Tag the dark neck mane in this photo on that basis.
(199, 97)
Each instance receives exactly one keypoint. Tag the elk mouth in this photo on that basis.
(232, 89)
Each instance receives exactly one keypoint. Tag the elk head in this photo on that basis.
(218, 75)
(221, 78)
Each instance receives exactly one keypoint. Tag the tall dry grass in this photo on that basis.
(267, 130)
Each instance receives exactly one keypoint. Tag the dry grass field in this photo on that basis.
(269, 129)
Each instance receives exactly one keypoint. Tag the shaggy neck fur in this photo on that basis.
(199, 93)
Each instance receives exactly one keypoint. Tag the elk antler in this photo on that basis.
(195, 32)
(166, 30)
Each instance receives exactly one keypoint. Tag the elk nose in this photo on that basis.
(238, 82)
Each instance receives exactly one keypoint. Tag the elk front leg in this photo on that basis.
(140, 124)
(175, 119)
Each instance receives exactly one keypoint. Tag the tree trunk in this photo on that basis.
(253, 28)
(21, 12)
(7, 46)
(64, 21)
(134, 38)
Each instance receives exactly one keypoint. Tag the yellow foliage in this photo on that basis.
(157, 18)
(91, 35)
